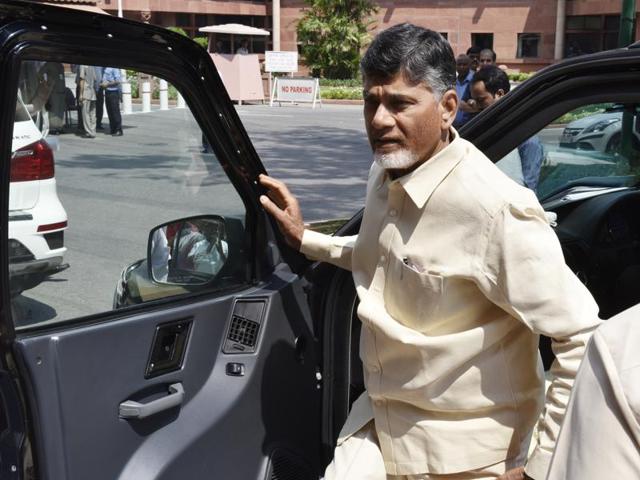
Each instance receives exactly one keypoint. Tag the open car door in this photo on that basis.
(178, 344)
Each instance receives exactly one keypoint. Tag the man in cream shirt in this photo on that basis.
(457, 272)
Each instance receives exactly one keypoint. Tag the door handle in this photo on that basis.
(131, 409)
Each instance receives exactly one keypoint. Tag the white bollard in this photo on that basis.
(164, 95)
(126, 97)
(146, 96)
(181, 102)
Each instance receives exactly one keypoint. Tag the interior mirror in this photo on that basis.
(189, 251)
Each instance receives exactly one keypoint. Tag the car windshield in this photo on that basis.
(597, 145)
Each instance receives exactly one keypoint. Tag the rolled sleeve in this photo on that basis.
(524, 273)
(327, 248)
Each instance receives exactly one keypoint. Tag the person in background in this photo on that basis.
(474, 54)
(489, 84)
(244, 47)
(466, 110)
(57, 100)
(87, 92)
(487, 57)
(111, 80)
(99, 98)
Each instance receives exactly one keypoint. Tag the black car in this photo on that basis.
(229, 355)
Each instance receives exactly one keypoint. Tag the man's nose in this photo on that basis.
(382, 118)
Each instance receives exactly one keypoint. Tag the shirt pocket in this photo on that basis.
(412, 295)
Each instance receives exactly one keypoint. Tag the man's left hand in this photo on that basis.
(514, 474)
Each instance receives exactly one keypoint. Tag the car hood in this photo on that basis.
(592, 119)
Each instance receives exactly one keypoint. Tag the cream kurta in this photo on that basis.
(600, 437)
(457, 272)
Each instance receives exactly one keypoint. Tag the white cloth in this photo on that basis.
(600, 436)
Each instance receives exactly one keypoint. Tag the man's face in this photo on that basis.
(475, 60)
(462, 67)
(483, 97)
(406, 124)
(485, 59)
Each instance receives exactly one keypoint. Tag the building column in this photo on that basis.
(561, 17)
(275, 23)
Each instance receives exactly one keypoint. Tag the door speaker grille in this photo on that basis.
(287, 466)
(243, 331)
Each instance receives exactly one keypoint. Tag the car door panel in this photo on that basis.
(79, 377)
(246, 413)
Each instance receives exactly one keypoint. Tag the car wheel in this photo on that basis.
(614, 144)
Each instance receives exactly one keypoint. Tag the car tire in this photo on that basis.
(614, 144)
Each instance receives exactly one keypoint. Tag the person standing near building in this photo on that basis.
(474, 54)
(466, 109)
(523, 165)
(87, 92)
(458, 272)
(99, 98)
(243, 49)
(487, 57)
(111, 80)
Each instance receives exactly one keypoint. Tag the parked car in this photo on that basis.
(37, 219)
(600, 132)
(246, 367)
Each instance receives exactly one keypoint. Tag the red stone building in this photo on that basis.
(522, 32)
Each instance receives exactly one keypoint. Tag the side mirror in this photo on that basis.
(188, 251)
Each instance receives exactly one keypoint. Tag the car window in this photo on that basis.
(594, 145)
(85, 199)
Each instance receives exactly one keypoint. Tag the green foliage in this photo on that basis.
(332, 33)
(341, 93)
(202, 41)
(520, 76)
(178, 30)
(582, 112)
(349, 82)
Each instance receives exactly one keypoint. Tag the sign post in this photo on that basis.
(280, 62)
(300, 90)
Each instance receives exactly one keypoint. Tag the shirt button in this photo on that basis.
(374, 368)
(382, 259)
(393, 212)
(379, 402)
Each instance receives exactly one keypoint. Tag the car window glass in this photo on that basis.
(85, 196)
(593, 145)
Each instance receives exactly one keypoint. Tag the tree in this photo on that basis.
(332, 33)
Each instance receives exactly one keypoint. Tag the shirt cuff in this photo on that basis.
(315, 246)
(538, 464)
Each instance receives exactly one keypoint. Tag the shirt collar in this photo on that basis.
(423, 181)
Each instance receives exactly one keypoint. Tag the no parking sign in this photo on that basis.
(299, 90)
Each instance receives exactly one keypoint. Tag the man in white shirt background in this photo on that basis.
(457, 272)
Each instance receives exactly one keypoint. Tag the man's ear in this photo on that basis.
(448, 109)
(499, 93)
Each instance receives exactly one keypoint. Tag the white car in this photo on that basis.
(37, 219)
(601, 132)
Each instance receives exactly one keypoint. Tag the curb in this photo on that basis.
(335, 101)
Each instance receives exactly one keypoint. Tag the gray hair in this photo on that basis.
(420, 54)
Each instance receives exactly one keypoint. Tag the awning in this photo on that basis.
(234, 29)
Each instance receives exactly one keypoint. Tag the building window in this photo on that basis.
(482, 40)
(528, 45)
(591, 33)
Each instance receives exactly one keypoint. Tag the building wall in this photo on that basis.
(459, 20)
(226, 7)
